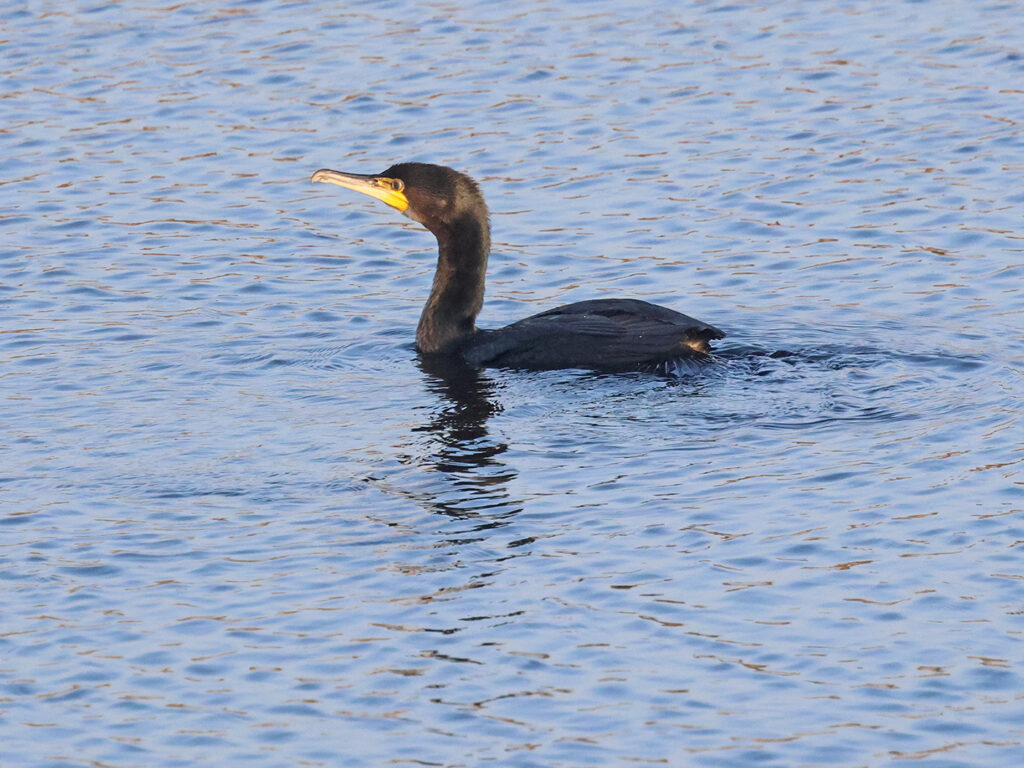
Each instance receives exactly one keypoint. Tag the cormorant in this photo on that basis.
(600, 334)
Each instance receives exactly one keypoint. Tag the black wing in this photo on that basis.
(602, 334)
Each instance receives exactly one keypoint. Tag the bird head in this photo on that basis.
(433, 195)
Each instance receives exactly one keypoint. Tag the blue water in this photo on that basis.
(242, 524)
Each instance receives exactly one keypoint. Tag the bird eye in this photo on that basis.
(397, 185)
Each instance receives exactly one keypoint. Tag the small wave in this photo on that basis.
(815, 384)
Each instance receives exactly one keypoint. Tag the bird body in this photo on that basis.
(599, 334)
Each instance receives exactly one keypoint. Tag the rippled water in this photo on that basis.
(241, 523)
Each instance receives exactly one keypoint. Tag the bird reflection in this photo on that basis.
(463, 449)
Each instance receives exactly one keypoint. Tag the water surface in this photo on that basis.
(241, 523)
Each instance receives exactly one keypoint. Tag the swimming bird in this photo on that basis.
(599, 334)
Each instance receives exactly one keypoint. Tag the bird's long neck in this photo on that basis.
(458, 291)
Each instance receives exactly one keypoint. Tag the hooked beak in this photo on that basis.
(382, 188)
